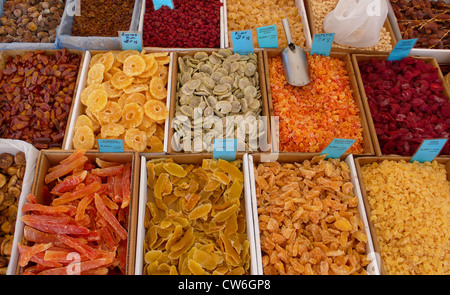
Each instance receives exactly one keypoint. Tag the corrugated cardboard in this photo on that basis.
(373, 268)
(362, 161)
(367, 144)
(145, 195)
(363, 57)
(50, 158)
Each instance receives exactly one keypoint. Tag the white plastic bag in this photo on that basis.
(357, 23)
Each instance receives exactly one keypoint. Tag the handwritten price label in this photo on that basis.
(242, 42)
(131, 40)
(402, 49)
(267, 36)
(428, 150)
(322, 44)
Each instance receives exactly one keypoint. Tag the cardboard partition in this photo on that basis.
(367, 144)
(80, 109)
(304, 19)
(50, 158)
(356, 58)
(373, 268)
(362, 161)
(174, 96)
(311, 18)
(78, 86)
(146, 195)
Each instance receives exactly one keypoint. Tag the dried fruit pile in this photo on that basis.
(407, 104)
(30, 21)
(191, 24)
(196, 220)
(308, 218)
(36, 92)
(12, 171)
(426, 20)
(409, 207)
(84, 228)
(125, 98)
(312, 115)
(103, 18)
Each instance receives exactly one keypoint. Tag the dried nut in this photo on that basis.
(20, 159)
(6, 160)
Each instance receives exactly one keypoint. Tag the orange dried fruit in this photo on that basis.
(134, 88)
(83, 120)
(83, 138)
(154, 145)
(112, 91)
(132, 115)
(112, 130)
(107, 59)
(135, 139)
(138, 98)
(163, 60)
(156, 110)
(123, 55)
(95, 74)
(97, 100)
(119, 80)
(86, 91)
(163, 74)
(157, 88)
(94, 59)
(134, 65)
(111, 113)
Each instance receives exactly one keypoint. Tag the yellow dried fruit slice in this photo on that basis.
(97, 100)
(233, 171)
(222, 177)
(86, 91)
(135, 88)
(83, 120)
(111, 113)
(175, 169)
(200, 211)
(112, 91)
(163, 74)
(163, 60)
(205, 259)
(157, 88)
(83, 138)
(107, 59)
(160, 184)
(94, 119)
(156, 110)
(235, 190)
(94, 59)
(132, 115)
(134, 65)
(160, 54)
(112, 130)
(225, 214)
(154, 145)
(123, 55)
(136, 139)
(95, 74)
(196, 268)
(120, 80)
(138, 98)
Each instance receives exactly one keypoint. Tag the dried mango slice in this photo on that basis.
(196, 268)
(84, 138)
(132, 115)
(160, 185)
(156, 110)
(107, 59)
(233, 171)
(206, 260)
(221, 177)
(95, 74)
(83, 120)
(123, 55)
(200, 212)
(225, 214)
(175, 169)
(112, 91)
(97, 100)
(86, 91)
(157, 88)
(134, 65)
(112, 130)
(111, 113)
(134, 88)
(136, 139)
(119, 80)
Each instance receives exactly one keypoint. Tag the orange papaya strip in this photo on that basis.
(82, 205)
(31, 199)
(118, 188)
(74, 243)
(45, 209)
(109, 203)
(122, 256)
(82, 266)
(99, 271)
(109, 217)
(126, 185)
(33, 235)
(109, 171)
(93, 178)
(75, 155)
(38, 257)
(108, 238)
(54, 224)
(62, 170)
(62, 256)
(69, 183)
(81, 193)
(28, 253)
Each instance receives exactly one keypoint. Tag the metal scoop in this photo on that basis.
(293, 58)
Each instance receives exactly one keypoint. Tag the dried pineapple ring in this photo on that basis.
(133, 88)
(97, 100)
(149, 61)
(146, 123)
(134, 65)
(163, 74)
(83, 120)
(119, 80)
(84, 138)
(107, 60)
(86, 91)
(156, 110)
(122, 56)
(138, 98)
(111, 113)
(94, 59)
(112, 130)
(132, 115)
(154, 145)
(95, 74)
(163, 60)
(136, 139)
(112, 91)
(157, 88)
(151, 71)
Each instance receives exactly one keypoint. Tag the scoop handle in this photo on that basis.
(287, 30)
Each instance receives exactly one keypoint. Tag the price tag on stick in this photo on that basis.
(242, 42)
(110, 145)
(402, 49)
(225, 149)
(337, 147)
(322, 44)
(131, 40)
(267, 36)
(428, 150)
(159, 3)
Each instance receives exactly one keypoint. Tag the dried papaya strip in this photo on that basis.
(108, 238)
(54, 224)
(82, 205)
(82, 266)
(38, 257)
(33, 235)
(118, 188)
(109, 171)
(61, 170)
(62, 256)
(121, 256)
(27, 207)
(109, 217)
(75, 155)
(126, 185)
(92, 178)
(31, 199)
(105, 164)
(109, 203)
(29, 252)
(69, 183)
(76, 244)
(81, 193)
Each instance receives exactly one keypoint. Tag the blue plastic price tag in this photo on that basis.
(242, 42)
(159, 3)
(225, 149)
(322, 44)
(337, 147)
(110, 145)
(131, 40)
(267, 36)
(402, 49)
(428, 150)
